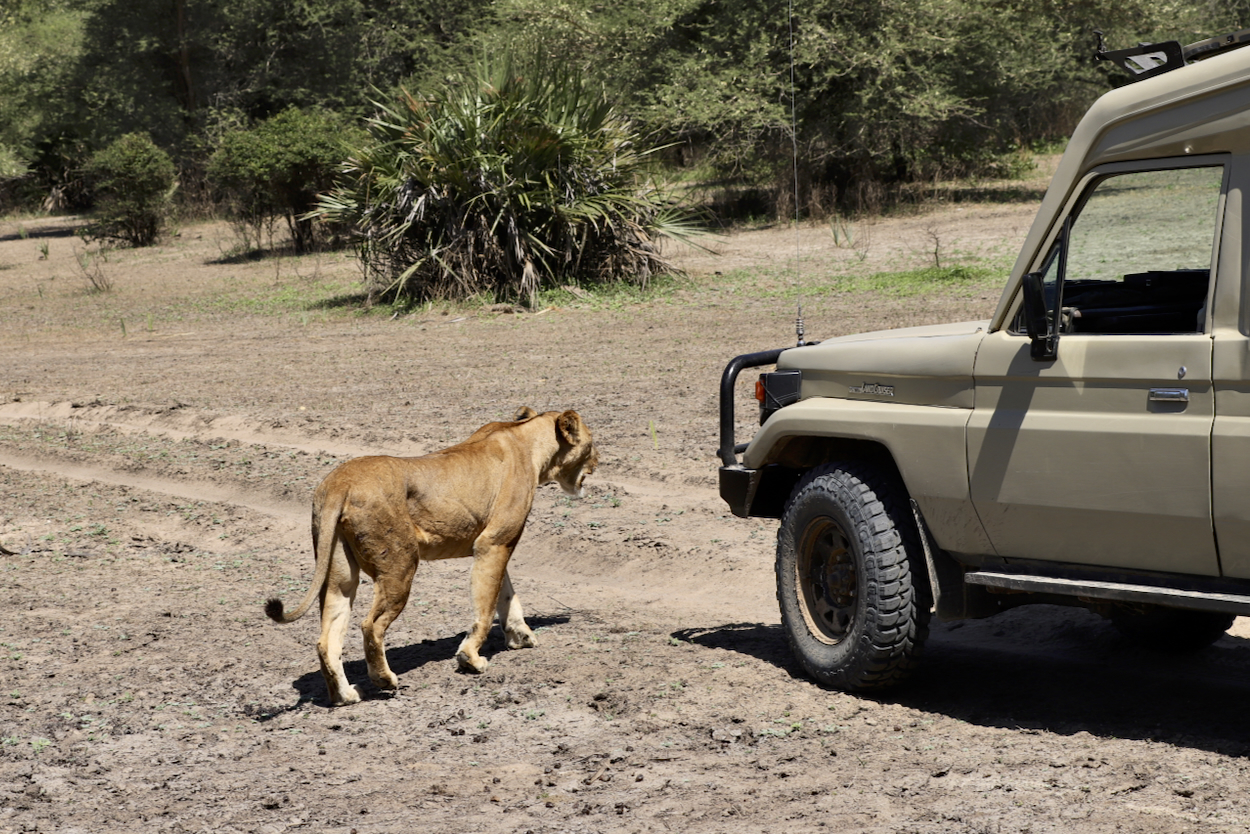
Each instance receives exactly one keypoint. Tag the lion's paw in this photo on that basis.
(468, 664)
(387, 681)
(521, 639)
(349, 695)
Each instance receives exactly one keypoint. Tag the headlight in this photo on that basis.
(776, 390)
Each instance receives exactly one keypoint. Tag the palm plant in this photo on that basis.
(501, 183)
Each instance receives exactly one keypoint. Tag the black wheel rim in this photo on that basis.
(826, 579)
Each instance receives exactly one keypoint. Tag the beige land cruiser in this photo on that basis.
(1088, 445)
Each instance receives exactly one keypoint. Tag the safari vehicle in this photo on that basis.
(1088, 445)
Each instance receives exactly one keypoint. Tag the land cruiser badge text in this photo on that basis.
(872, 388)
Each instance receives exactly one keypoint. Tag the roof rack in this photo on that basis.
(1149, 59)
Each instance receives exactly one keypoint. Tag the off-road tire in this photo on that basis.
(850, 580)
(1174, 630)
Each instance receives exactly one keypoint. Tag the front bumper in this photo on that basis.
(757, 493)
(737, 487)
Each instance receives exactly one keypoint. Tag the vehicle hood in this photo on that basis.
(915, 365)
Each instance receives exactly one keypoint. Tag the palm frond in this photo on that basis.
(504, 182)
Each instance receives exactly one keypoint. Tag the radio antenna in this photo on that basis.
(794, 147)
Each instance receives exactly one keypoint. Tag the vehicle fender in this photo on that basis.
(926, 443)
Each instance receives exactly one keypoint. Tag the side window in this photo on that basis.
(1139, 254)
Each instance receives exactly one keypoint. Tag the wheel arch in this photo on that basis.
(792, 457)
(926, 446)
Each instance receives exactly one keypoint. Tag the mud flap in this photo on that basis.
(953, 598)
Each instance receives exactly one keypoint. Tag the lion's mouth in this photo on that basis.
(575, 489)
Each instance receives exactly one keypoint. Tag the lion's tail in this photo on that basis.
(325, 527)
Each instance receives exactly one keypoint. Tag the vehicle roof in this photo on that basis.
(1203, 108)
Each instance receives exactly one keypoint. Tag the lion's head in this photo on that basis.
(577, 457)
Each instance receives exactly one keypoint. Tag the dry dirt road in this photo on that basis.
(158, 447)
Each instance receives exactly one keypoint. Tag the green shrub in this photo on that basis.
(499, 184)
(134, 183)
(277, 169)
(11, 165)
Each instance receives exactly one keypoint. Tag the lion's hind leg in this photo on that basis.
(389, 550)
(512, 618)
(390, 594)
(336, 612)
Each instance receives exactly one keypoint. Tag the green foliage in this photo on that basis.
(36, 36)
(169, 65)
(885, 92)
(277, 169)
(501, 183)
(11, 165)
(134, 182)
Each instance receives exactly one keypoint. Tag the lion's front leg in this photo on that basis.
(512, 618)
(490, 566)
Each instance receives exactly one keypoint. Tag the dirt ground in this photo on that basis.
(159, 444)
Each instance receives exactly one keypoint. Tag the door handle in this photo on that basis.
(1169, 395)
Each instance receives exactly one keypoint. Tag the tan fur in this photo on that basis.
(385, 515)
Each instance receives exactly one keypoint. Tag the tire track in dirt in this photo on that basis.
(191, 491)
(184, 424)
(180, 423)
(643, 578)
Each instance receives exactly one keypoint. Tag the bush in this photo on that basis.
(134, 183)
(498, 184)
(277, 169)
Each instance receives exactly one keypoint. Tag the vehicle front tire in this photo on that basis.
(1171, 629)
(849, 578)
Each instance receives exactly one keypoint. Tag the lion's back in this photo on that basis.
(380, 475)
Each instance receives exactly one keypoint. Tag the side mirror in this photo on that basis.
(1044, 343)
(1042, 325)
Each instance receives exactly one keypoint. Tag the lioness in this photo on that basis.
(388, 514)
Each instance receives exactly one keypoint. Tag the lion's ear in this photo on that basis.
(524, 413)
(569, 428)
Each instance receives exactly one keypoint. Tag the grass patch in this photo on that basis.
(929, 280)
(297, 296)
(344, 293)
(611, 295)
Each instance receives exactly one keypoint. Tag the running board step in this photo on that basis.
(1115, 591)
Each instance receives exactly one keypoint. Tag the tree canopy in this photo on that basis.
(884, 91)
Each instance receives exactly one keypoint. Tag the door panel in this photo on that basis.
(1230, 443)
(1073, 461)
(1230, 452)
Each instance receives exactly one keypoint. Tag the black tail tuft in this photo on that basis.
(274, 609)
